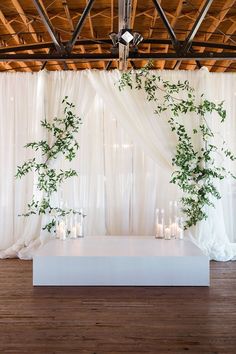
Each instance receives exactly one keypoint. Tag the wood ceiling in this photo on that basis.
(31, 42)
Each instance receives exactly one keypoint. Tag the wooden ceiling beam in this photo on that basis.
(15, 37)
(146, 12)
(69, 19)
(9, 28)
(154, 18)
(7, 67)
(88, 65)
(133, 13)
(25, 19)
(47, 22)
(100, 13)
(26, 22)
(223, 66)
(193, 31)
(61, 16)
(93, 36)
(173, 23)
(166, 23)
(79, 25)
(67, 12)
(213, 27)
(231, 30)
(112, 15)
(200, 18)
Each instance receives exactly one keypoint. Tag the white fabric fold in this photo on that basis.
(124, 160)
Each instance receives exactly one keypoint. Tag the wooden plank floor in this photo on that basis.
(111, 320)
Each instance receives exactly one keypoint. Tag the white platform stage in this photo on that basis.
(120, 261)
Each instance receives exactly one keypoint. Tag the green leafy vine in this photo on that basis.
(63, 130)
(196, 170)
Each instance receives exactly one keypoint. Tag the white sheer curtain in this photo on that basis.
(21, 110)
(26, 100)
(124, 158)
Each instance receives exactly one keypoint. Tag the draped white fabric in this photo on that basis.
(124, 160)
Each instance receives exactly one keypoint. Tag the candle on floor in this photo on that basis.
(57, 229)
(162, 221)
(62, 230)
(159, 231)
(167, 233)
(79, 230)
(157, 225)
(170, 212)
(173, 229)
(157, 216)
(73, 232)
(63, 233)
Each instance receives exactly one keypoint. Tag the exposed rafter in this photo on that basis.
(16, 38)
(215, 23)
(25, 19)
(223, 67)
(188, 41)
(155, 16)
(230, 30)
(166, 23)
(109, 56)
(67, 12)
(28, 24)
(172, 23)
(112, 16)
(124, 23)
(59, 47)
(45, 19)
(90, 42)
(79, 25)
(23, 31)
(196, 25)
(88, 65)
(133, 13)
(93, 36)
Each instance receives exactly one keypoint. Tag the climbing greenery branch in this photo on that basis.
(195, 169)
(49, 179)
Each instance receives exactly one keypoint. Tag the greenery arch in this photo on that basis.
(196, 171)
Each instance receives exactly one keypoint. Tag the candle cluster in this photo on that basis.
(174, 228)
(70, 226)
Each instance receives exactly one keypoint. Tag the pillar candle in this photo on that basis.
(73, 232)
(167, 233)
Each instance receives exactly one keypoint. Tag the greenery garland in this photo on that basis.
(196, 171)
(50, 179)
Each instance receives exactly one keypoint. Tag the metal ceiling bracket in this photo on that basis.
(109, 56)
(174, 40)
(79, 26)
(188, 42)
(59, 46)
(42, 45)
(124, 23)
